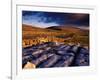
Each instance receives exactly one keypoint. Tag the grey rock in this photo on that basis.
(50, 54)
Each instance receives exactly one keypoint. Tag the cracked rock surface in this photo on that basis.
(50, 54)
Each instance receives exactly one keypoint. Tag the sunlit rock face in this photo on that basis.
(52, 54)
(29, 65)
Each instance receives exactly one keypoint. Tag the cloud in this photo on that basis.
(47, 18)
(78, 16)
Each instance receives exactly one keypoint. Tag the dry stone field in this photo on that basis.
(52, 54)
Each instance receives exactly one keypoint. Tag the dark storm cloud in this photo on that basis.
(57, 18)
(80, 19)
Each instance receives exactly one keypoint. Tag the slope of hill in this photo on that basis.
(69, 28)
(29, 27)
(56, 28)
(65, 34)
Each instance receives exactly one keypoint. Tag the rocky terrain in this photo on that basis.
(52, 54)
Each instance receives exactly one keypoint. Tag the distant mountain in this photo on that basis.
(54, 28)
(69, 28)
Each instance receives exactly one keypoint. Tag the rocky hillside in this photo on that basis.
(52, 54)
(32, 35)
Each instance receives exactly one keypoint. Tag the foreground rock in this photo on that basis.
(50, 54)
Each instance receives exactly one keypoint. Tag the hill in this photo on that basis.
(66, 34)
(69, 28)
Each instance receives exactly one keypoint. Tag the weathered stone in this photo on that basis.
(50, 54)
(50, 61)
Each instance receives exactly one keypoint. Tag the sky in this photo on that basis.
(48, 19)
